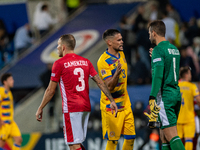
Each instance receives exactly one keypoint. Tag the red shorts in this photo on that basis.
(75, 127)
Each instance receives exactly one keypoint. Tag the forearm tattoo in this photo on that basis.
(103, 87)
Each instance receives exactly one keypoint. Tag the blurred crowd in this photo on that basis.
(184, 35)
(12, 45)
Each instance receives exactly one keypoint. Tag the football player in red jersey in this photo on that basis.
(72, 72)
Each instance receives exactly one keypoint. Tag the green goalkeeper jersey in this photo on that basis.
(166, 55)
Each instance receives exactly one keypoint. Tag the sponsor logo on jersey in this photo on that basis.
(112, 134)
(84, 40)
(103, 72)
(157, 59)
(53, 74)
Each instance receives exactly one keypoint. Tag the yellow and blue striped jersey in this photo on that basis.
(107, 65)
(6, 105)
(188, 92)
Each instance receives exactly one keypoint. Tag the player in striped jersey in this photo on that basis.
(8, 127)
(112, 67)
(186, 118)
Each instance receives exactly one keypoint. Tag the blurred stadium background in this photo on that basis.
(87, 20)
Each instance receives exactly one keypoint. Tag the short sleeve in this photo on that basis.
(157, 57)
(104, 69)
(56, 72)
(195, 91)
(92, 70)
(1, 95)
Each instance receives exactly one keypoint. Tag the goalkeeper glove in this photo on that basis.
(154, 108)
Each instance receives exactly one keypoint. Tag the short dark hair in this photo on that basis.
(183, 71)
(157, 26)
(44, 7)
(164, 13)
(170, 5)
(5, 76)
(69, 40)
(110, 32)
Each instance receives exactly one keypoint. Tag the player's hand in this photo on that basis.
(154, 108)
(113, 106)
(151, 117)
(119, 69)
(39, 114)
(150, 51)
(152, 121)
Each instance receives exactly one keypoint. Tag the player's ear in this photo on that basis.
(153, 33)
(63, 47)
(109, 42)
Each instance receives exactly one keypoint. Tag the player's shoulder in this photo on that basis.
(172, 46)
(59, 61)
(157, 49)
(121, 54)
(186, 83)
(80, 58)
(102, 58)
(157, 52)
(190, 84)
(193, 85)
(2, 89)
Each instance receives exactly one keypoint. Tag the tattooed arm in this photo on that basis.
(113, 81)
(105, 90)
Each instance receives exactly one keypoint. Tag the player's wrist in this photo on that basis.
(40, 108)
(111, 101)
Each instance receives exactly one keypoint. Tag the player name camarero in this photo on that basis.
(75, 63)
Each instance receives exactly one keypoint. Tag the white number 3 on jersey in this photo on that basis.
(80, 79)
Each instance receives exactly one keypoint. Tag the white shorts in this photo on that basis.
(197, 124)
(75, 127)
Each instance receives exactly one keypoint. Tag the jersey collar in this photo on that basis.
(112, 54)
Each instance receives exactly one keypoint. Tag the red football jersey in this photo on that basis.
(72, 72)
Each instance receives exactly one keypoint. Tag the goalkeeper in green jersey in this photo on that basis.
(165, 97)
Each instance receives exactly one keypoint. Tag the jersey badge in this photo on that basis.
(112, 134)
(124, 60)
(103, 72)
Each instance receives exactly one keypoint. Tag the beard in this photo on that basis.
(118, 49)
(153, 41)
(59, 53)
